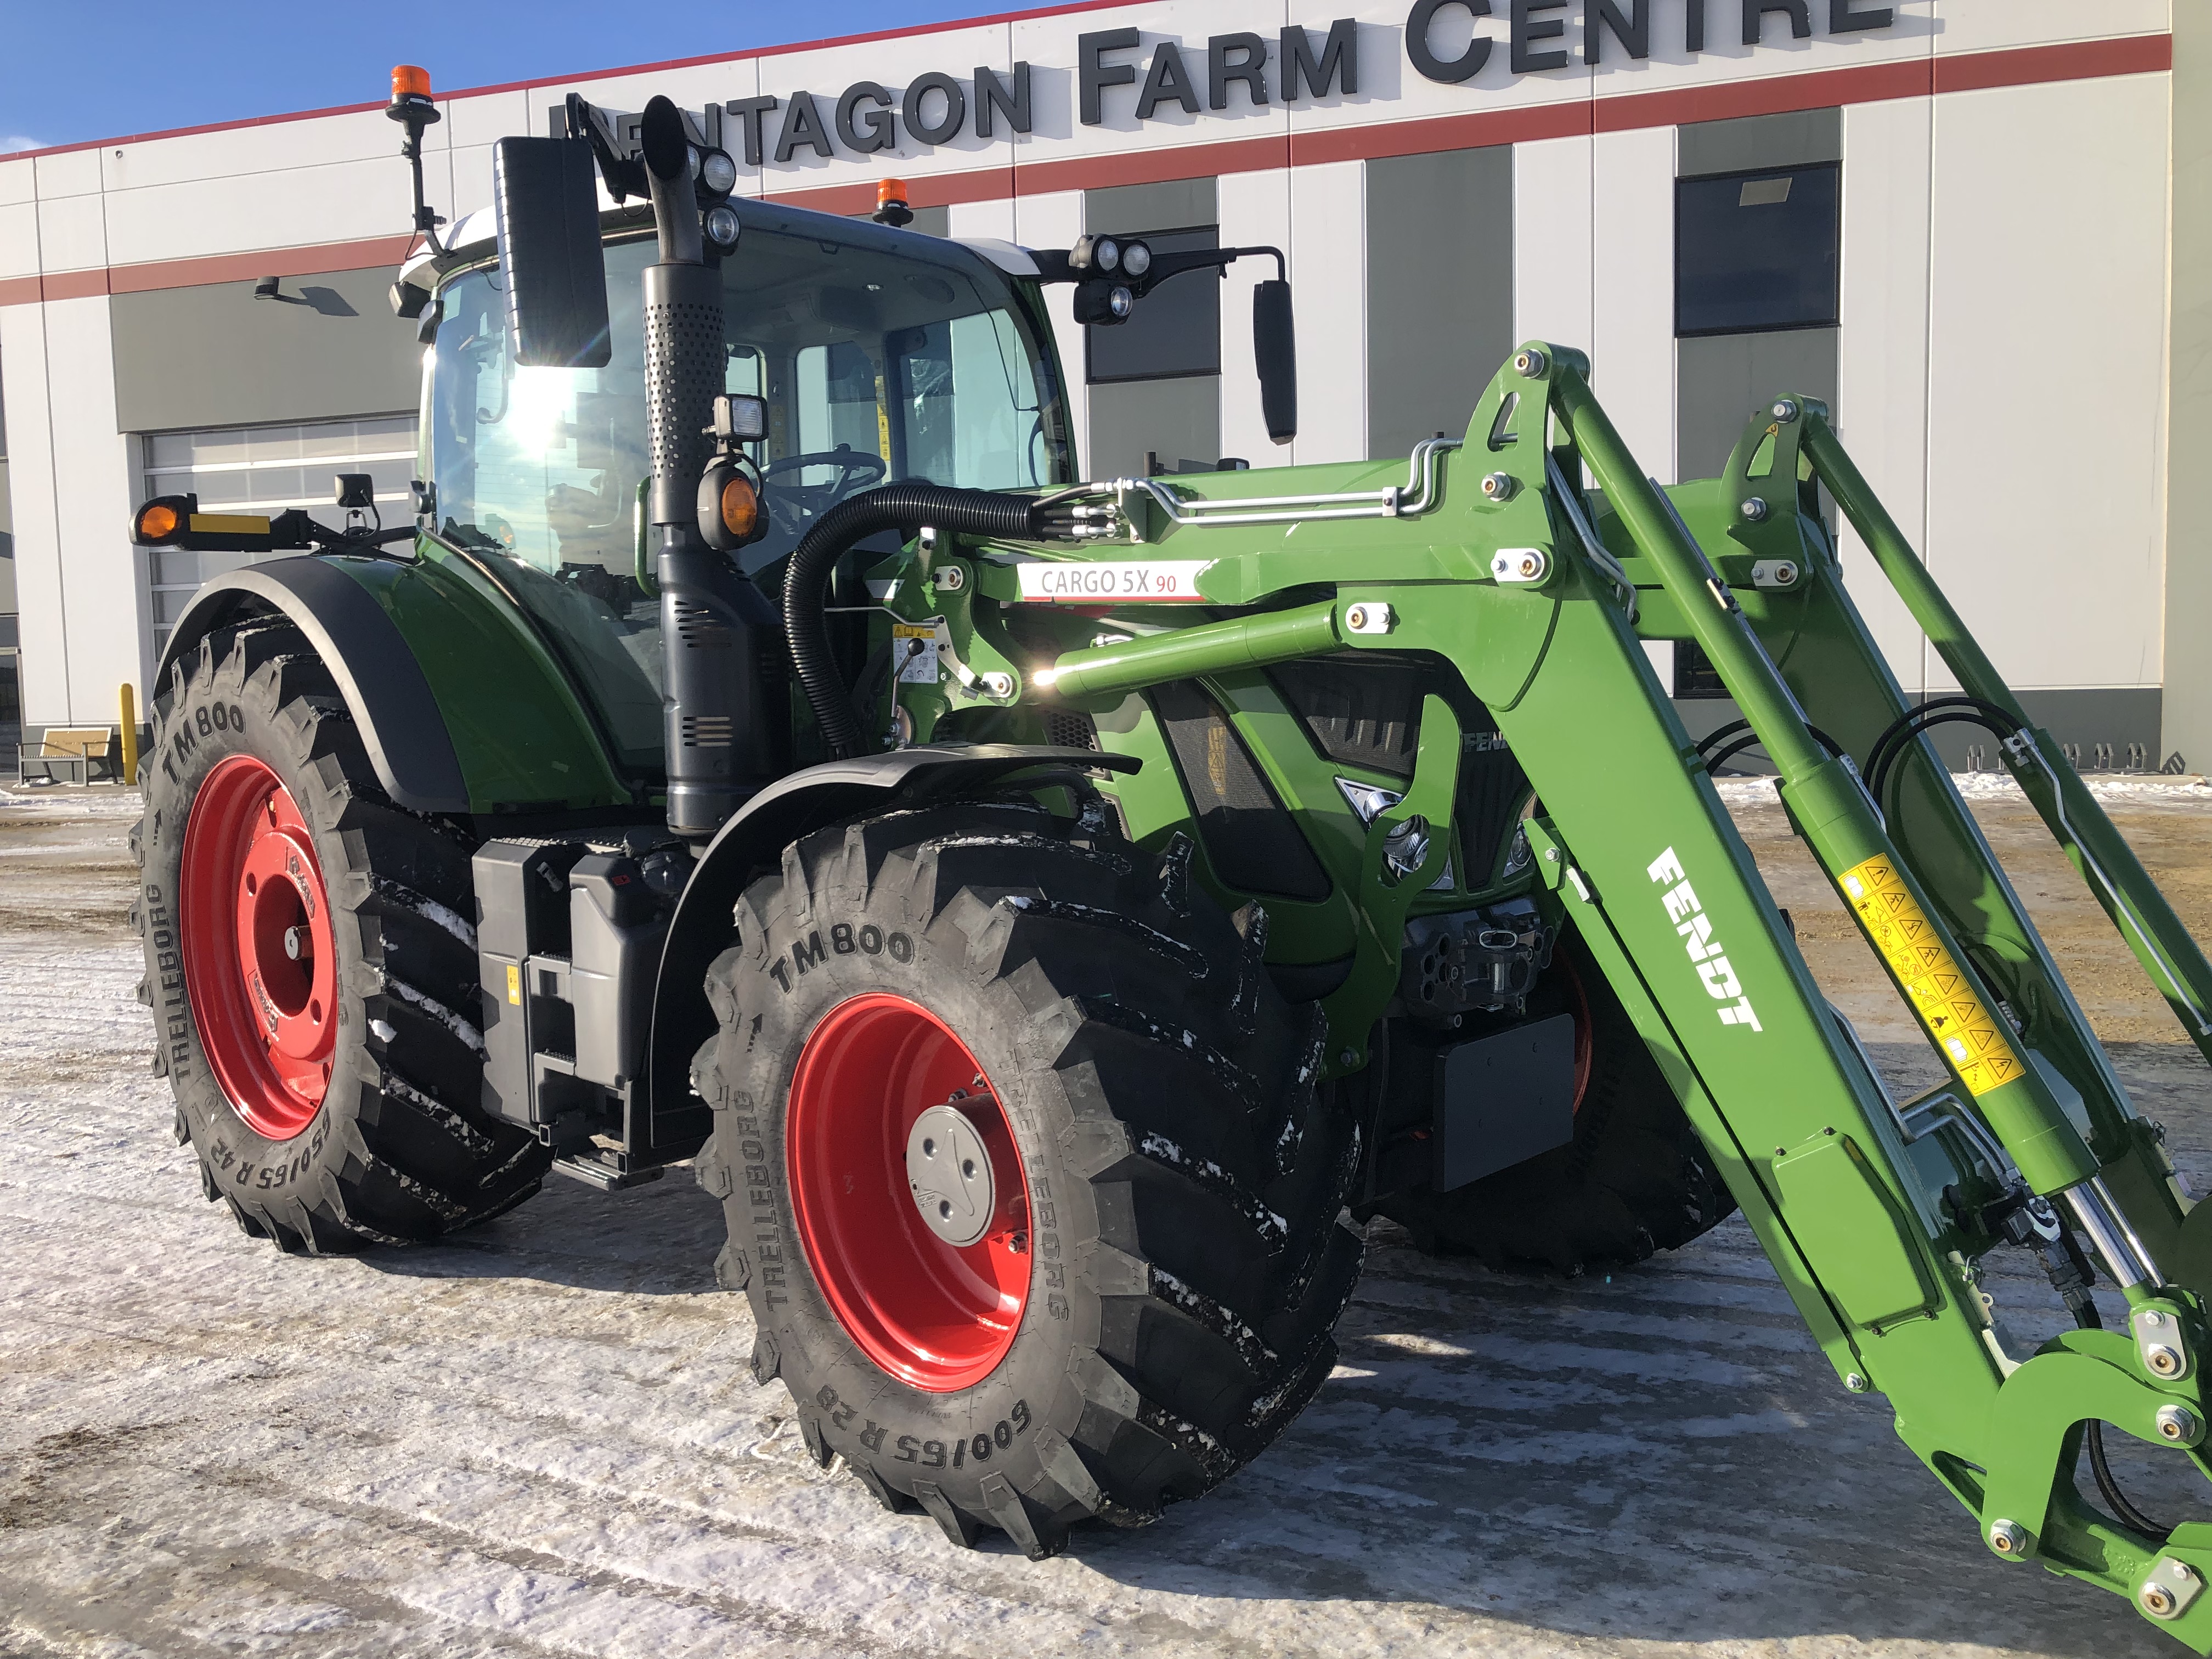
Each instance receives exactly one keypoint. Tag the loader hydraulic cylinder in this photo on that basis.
(1831, 810)
(1180, 653)
(2146, 919)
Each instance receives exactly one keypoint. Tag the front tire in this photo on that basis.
(311, 964)
(1122, 1060)
(1634, 1180)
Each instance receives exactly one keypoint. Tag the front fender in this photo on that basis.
(753, 841)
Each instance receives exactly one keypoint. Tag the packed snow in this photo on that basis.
(542, 1437)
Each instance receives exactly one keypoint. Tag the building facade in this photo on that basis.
(1982, 229)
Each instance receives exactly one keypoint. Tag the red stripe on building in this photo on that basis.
(246, 267)
(924, 190)
(1153, 167)
(1776, 95)
(2082, 60)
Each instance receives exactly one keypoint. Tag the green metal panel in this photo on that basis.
(522, 737)
(1845, 1218)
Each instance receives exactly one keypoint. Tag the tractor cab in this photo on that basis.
(878, 354)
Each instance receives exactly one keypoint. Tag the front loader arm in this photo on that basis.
(1876, 1215)
(1865, 1226)
(1830, 661)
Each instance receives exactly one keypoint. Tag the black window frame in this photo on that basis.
(1833, 317)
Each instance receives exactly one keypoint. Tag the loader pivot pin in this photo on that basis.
(2172, 1586)
(2179, 1425)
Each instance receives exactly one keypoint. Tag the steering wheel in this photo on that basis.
(797, 503)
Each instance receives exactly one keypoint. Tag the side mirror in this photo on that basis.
(1275, 350)
(545, 190)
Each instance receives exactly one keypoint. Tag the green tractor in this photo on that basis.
(1051, 914)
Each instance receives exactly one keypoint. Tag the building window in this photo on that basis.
(1439, 244)
(1757, 252)
(1175, 331)
(1695, 677)
(265, 470)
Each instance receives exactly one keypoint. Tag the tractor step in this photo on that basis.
(606, 1177)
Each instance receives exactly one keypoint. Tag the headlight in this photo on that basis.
(722, 226)
(1106, 254)
(1120, 302)
(718, 172)
(1136, 260)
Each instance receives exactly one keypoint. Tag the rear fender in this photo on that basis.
(752, 842)
(460, 708)
(398, 718)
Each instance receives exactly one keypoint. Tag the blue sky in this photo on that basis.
(69, 73)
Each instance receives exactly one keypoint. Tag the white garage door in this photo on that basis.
(265, 469)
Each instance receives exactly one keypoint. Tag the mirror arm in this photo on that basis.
(624, 177)
(1052, 266)
(1165, 265)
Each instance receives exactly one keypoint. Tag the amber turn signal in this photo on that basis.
(740, 507)
(157, 521)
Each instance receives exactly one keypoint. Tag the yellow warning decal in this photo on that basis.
(1970, 1033)
(514, 985)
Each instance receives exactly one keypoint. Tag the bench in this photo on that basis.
(91, 752)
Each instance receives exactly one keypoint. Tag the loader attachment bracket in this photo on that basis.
(1409, 844)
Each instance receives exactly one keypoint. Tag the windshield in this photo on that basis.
(882, 357)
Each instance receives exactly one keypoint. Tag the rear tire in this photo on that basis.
(1184, 1173)
(393, 1147)
(1635, 1179)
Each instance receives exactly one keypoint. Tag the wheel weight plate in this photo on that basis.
(948, 1170)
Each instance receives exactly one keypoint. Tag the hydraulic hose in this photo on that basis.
(806, 578)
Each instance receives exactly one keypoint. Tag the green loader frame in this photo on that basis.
(1875, 1215)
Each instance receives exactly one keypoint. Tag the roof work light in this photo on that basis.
(890, 204)
(413, 107)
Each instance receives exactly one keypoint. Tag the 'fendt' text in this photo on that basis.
(1695, 928)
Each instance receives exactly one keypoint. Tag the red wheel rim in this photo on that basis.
(933, 1314)
(1584, 1046)
(259, 969)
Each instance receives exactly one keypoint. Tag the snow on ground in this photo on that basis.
(542, 1438)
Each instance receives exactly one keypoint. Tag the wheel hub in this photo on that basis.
(908, 1193)
(260, 965)
(948, 1169)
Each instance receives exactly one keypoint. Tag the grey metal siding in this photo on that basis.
(214, 355)
(1439, 290)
